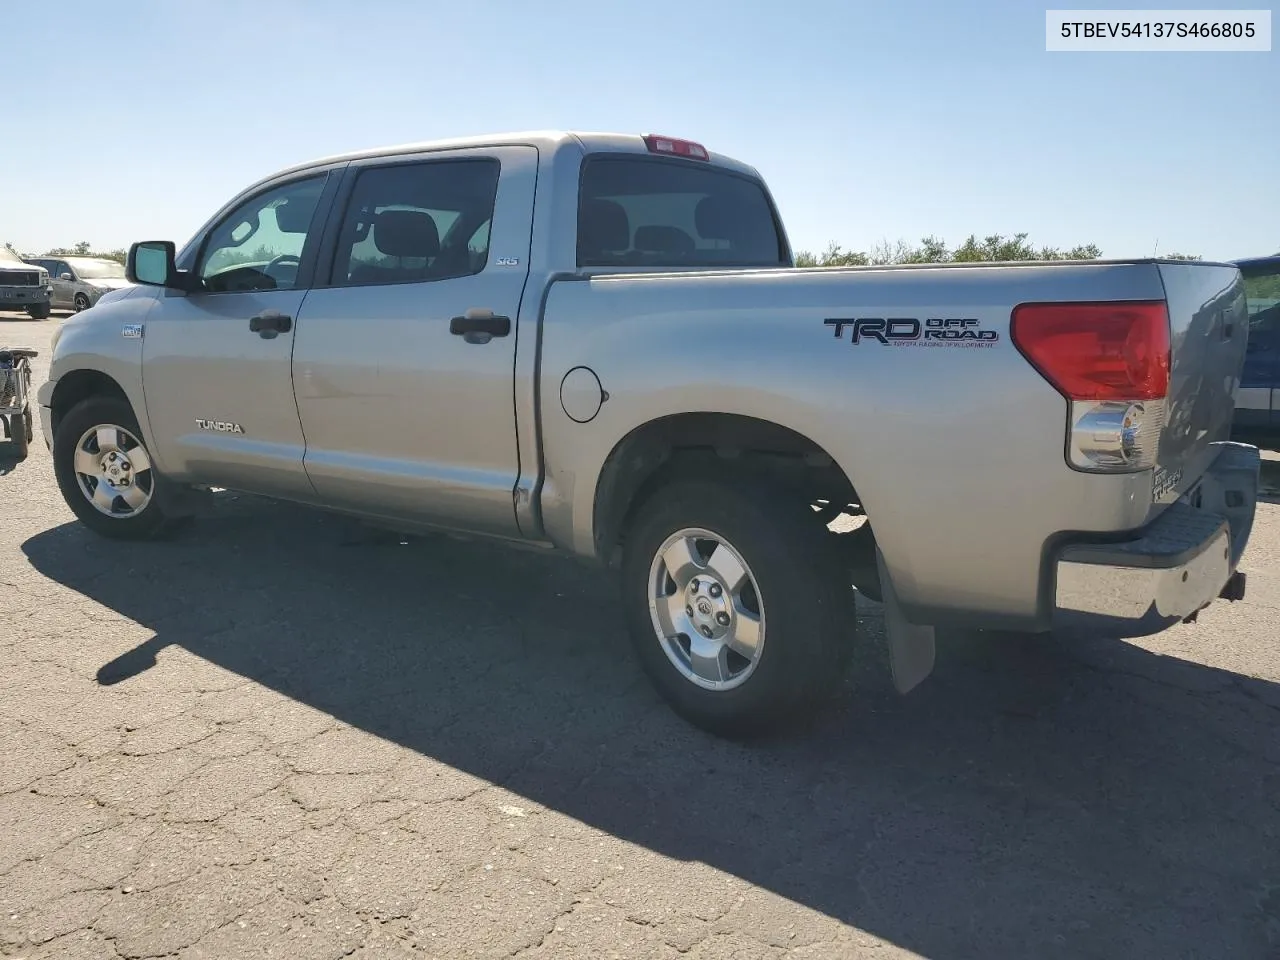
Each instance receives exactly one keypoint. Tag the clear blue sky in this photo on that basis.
(871, 122)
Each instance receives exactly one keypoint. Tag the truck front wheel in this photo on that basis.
(105, 473)
(39, 311)
(737, 611)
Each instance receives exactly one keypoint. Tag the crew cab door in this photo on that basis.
(216, 359)
(403, 360)
(1256, 399)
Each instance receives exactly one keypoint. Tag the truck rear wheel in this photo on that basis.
(105, 472)
(736, 609)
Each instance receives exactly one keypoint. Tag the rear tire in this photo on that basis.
(130, 492)
(799, 605)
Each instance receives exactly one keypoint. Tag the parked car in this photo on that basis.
(24, 286)
(1258, 397)
(631, 370)
(79, 282)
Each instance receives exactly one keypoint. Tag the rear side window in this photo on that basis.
(642, 212)
(416, 222)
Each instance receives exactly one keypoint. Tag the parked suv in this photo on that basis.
(24, 286)
(78, 282)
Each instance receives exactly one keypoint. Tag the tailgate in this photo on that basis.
(1208, 331)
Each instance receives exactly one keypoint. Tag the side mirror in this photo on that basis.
(65, 276)
(151, 263)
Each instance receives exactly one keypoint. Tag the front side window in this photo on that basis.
(647, 212)
(60, 267)
(259, 245)
(417, 222)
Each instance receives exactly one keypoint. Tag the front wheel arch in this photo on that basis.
(77, 385)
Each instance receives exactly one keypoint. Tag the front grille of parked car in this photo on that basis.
(19, 278)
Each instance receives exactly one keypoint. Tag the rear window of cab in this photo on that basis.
(657, 212)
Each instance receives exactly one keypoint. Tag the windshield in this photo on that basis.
(99, 269)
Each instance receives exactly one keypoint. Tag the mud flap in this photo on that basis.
(911, 646)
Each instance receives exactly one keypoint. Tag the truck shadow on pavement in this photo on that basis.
(1034, 798)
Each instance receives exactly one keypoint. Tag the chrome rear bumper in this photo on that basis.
(1171, 569)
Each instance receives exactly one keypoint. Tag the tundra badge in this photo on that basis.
(222, 426)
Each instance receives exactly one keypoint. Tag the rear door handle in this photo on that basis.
(269, 323)
(478, 325)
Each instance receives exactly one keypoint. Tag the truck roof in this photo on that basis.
(1251, 263)
(550, 142)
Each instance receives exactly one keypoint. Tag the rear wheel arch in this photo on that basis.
(708, 444)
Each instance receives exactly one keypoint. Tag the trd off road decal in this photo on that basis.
(912, 332)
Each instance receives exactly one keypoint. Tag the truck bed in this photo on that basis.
(955, 448)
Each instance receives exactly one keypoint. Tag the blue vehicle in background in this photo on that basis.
(1258, 397)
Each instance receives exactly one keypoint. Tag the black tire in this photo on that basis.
(149, 523)
(41, 312)
(20, 434)
(809, 613)
(81, 302)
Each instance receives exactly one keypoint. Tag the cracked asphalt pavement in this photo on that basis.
(284, 735)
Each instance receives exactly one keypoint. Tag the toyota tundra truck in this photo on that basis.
(600, 344)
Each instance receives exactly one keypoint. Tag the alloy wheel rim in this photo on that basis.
(113, 471)
(706, 609)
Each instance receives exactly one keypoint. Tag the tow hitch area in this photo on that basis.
(1234, 588)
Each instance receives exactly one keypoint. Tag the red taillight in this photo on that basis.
(1097, 351)
(676, 148)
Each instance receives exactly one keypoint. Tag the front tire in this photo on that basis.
(40, 312)
(105, 472)
(736, 608)
(81, 302)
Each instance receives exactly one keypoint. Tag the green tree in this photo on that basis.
(833, 256)
(85, 249)
(935, 250)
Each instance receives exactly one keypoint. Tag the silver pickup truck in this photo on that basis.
(600, 343)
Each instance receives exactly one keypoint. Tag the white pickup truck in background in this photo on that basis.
(600, 343)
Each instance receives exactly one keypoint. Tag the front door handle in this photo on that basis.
(269, 323)
(478, 325)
